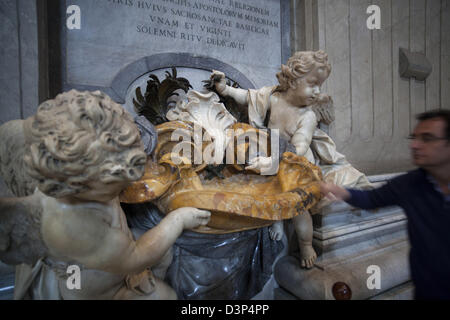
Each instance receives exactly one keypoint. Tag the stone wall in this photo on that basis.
(375, 107)
(18, 59)
(118, 41)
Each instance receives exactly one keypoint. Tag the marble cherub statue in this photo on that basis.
(81, 150)
(295, 107)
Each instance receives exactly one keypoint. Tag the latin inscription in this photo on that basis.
(214, 23)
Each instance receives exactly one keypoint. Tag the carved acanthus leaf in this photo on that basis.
(205, 110)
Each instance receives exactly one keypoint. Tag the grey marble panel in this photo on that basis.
(251, 36)
(383, 75)
(433, 45)
(361, 71)
(338, 84)
(417, 44)
(400, 86)
(445, 54)
(29, 56)
(10, 97)
(19, 59)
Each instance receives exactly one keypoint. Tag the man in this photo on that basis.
(424, 195)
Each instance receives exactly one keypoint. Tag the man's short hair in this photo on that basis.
(438, 113)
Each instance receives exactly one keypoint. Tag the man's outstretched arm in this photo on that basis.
(366, 199)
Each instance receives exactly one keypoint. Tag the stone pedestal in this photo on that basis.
(349, 242)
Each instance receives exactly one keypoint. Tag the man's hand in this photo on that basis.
(334, 192)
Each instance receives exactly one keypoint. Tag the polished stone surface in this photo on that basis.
(375, 106)
(18, 60)
(234, 32)
(9, 63)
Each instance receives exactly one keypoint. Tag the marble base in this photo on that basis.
(348, 241)
(402, 292)
(317, 283)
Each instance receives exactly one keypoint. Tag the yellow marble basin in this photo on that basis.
(241, 201)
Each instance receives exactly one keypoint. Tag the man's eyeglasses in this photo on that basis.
(426, 138)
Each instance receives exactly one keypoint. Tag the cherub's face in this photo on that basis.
(132, 161)
(305, 91)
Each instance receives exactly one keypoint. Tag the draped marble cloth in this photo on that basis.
(322, 149)
(213, 266)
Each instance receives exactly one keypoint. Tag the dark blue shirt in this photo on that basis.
(428, 212)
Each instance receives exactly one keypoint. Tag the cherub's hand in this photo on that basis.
(192, 217)
(259, 163)
(218, 78)
(323, 98)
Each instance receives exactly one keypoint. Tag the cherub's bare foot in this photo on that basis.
(276, 231)
(307, 256)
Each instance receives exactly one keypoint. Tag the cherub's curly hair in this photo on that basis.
(299, 65)
(80, 137)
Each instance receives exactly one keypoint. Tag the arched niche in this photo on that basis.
(164, 61)
(193, 67)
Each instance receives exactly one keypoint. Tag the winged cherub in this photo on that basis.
(295, 107)
(81, 150)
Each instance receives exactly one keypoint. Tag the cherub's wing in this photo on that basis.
(20, 231)
(324, 110)
(12, 168)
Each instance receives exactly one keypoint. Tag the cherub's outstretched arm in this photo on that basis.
(102, 247)
(152, 245)
(239, 95)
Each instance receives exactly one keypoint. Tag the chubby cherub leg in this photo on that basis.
(276, 231)
(303, 226)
